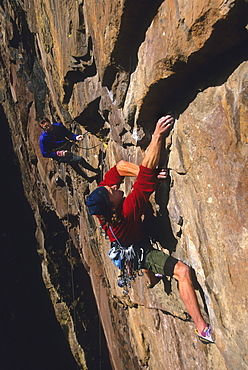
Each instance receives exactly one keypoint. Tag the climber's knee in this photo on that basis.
(181, 272)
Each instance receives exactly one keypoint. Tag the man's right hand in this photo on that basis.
(61, 153)
(162, 128)
(164, 125)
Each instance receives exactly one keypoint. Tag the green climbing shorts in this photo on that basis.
(160, 263)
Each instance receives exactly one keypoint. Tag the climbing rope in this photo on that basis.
(69, 244)
(99, 328)
(92, 147)
(81, 147)
(62, 176)
(71, 263)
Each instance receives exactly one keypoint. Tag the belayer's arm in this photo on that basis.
(67, 133)
(45, 145)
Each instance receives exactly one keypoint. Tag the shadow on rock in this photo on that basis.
(158, 224)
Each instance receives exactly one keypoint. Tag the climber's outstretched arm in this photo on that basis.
(163, 127)
(127, 169)
(130, 169)
(152, 156)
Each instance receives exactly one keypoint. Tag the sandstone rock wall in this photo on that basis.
(112, 69)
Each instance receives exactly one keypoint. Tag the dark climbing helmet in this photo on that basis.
(98, 202)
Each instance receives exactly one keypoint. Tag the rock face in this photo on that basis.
(111, 69)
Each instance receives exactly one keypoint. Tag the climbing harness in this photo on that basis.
(127, 260)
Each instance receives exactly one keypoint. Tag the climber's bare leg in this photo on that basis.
(187, 293)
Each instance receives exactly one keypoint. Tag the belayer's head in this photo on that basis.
(103, 202)
(45, 124)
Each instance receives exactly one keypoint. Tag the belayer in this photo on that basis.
(121, 219)
(56, 141)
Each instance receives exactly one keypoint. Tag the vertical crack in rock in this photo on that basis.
(81, 68)
(136, 18)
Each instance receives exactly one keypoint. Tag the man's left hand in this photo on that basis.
(79, 137)
(163, 174)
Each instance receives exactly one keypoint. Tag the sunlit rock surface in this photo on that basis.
(112, 69)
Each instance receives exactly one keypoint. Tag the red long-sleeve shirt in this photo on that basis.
(130, 229)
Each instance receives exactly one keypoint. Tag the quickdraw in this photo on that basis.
(128, 261)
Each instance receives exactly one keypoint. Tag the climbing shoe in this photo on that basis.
(205, 336)
(152, 285)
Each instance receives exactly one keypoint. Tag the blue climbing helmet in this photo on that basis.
(98, 203)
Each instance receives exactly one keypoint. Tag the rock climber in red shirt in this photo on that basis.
(121, 218)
